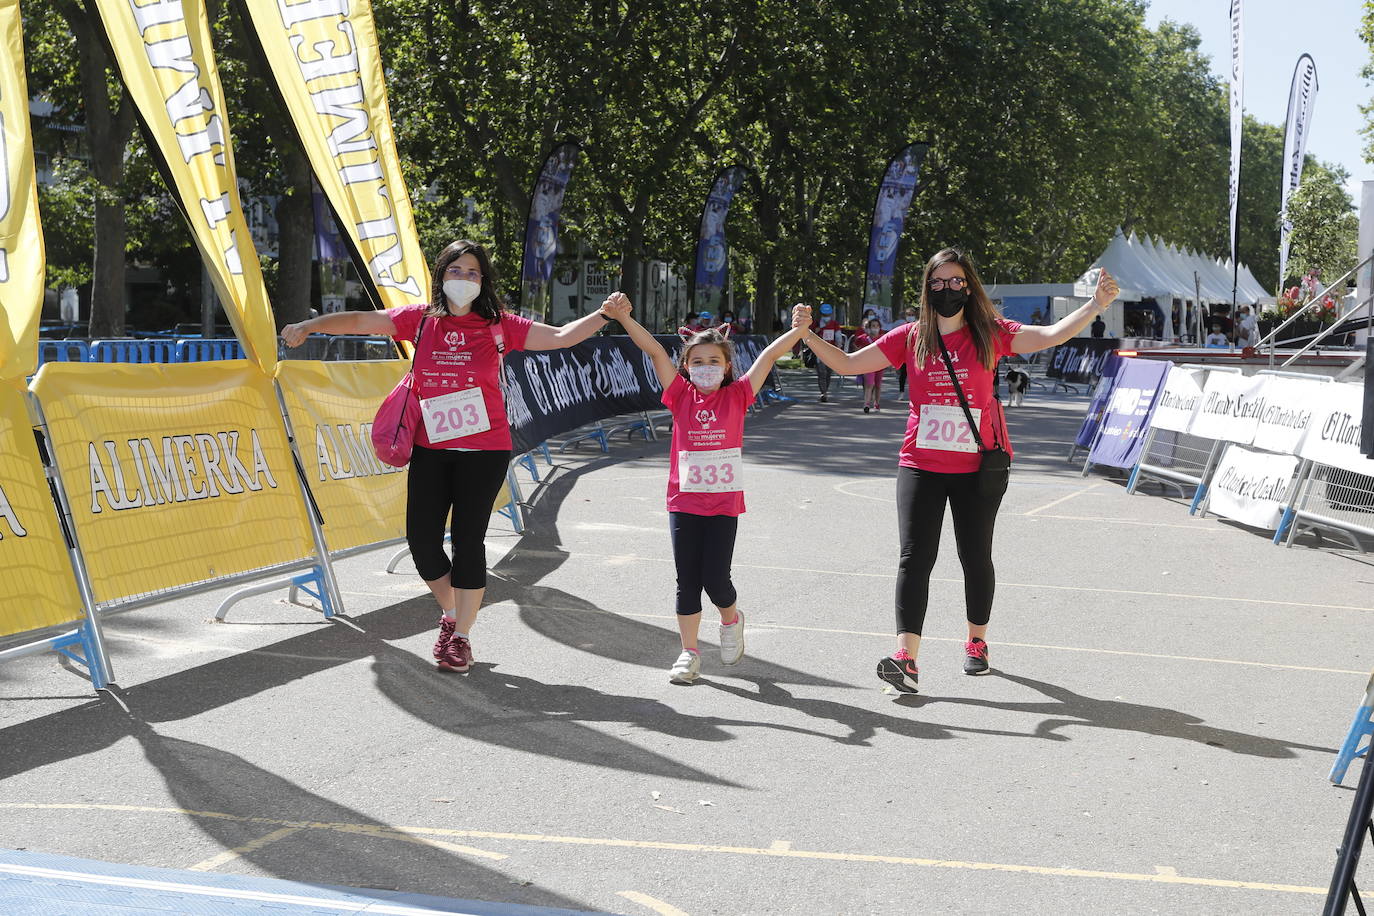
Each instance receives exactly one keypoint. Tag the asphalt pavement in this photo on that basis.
(1167, 696)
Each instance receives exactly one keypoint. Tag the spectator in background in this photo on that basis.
(908, 316)
(728, 318)
(1099, 327)
(872, 381)
(827, 329)
(1216, 338)
(1247, 334)
(1036, 317)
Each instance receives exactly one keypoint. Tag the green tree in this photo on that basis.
(1325, 228)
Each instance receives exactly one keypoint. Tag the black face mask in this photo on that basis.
(947, 302)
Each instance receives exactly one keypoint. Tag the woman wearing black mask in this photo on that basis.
(959, 335)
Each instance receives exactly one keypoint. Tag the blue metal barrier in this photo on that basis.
(207, 349)
(63, 351)
(133, 351)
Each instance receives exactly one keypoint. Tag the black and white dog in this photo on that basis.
(1017, 383)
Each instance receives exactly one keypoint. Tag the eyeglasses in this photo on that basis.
(953, 283)
(459, 273)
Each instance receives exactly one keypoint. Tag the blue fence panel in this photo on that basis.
(63, 351)
(205, 350)
(133, 351)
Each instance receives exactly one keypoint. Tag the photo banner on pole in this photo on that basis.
(713, 252)
(541, 228)
(1128, 414)
(327, 68)
(1302, 96)
(21, 237)
(168, 66)
(889, 218)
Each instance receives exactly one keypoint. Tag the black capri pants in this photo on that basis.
(921, 498)
(464, 483)
(703, 548)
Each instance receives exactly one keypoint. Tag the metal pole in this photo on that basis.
(1348, 856)
(312, 512)
(208, 302)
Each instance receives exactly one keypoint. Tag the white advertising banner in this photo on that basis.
(1288, 407)
(1231, 407)
(1302, 95)
(1333, 435)
(1237, 111)
(1179, 399)
(1250, 487)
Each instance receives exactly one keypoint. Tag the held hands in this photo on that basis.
(295, 334)
(1107, 290)
(616, 307)
(801, 318)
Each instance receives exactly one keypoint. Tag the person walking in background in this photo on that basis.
(457, 468)
(1099, 327)
(705, 472)
(828, 329)
(872, 381)
(954, 433)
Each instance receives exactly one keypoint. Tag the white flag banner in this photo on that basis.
(1288, 407)
(1301, 98)
(1251, 487)
(1231, 407)
(1179, 399)
(1237, 107)
(1333, 435)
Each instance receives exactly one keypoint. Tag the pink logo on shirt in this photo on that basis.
(706, 417)
(455, 339)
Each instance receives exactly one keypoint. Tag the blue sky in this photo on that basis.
(1276, 32)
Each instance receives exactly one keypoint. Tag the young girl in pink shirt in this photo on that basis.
(705, 473)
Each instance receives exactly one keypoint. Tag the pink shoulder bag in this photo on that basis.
(393, 429)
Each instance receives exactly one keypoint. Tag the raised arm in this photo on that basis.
(758, 372)
(869, 359)
(374, 323)
(617, 305)
(547, 337)
(1032, 338)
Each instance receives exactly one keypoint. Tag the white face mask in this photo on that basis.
(461, 292)
(706, 376)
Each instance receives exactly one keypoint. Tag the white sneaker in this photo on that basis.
(732, 641)
(686, 669)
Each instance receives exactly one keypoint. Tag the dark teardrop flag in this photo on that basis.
(889, 218)
(713, 253)
(542, 225)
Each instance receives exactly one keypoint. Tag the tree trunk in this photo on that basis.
(633, 255)
(107, 273)
(295, 243)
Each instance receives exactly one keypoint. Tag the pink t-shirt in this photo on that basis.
(457, 353)
(705, 422)
(931, 384)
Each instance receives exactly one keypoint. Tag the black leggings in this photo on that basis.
(703, 546)
(921, 497)
(823, 374)
(467, 483)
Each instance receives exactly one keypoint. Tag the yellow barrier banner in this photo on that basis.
(164, 55)
(21, 238)
(40, 587)
(176, 473)
(324, 57)
(331, 405)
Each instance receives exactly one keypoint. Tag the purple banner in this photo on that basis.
(889, 218)
(1110, 367)
(712, 261)
(1128, 413)
(541, 228)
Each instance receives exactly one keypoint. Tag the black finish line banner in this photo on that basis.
(552, 392)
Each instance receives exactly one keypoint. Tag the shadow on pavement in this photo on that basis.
(1069, 709)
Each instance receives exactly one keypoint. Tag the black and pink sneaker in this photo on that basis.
(976, 657)
(446, 627)
(457, 655)
(899, 669)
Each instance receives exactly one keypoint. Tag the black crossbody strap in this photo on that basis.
(963, 402)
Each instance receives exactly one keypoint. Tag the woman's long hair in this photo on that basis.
(708, 336)
(488, 303)
(979, 313)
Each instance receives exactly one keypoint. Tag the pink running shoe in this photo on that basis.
(976, 657)
(446, 627)
(899, 669)
(457, 655)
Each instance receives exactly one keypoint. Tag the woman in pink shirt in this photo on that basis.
(959, 335)
(462, 452)
(872, 381)
(705, 473)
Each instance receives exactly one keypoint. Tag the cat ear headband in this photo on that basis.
(686, 333)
